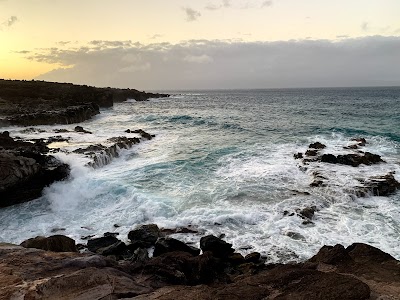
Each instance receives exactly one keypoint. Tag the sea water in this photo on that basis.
(222, 163)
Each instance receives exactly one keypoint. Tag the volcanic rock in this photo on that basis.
(317, 145)
(81, 129)
(167, 244)
(145, 235)
(308, 212)
(183, 268)
(218, 247)
(298, 155)
(69, 115)
(379, 186)
(25, 170)
(55, 243)
(311, 152)
(143, 134)
(102, 242)
(360, 141)
(253, 257)
(352, 159)
(38, 274)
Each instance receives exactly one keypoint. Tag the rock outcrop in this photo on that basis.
(25, 169)
(383, 185)
(45, 103)
(359, 271)
(103, 155)
(68, 115)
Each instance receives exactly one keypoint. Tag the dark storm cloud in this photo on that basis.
(191, 14)
(203, 64)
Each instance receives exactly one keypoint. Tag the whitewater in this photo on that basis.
(222, 163)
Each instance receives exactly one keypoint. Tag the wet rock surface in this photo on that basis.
(359, 271)
(25, 169)
(381, 185)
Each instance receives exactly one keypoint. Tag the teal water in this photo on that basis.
(222, 162)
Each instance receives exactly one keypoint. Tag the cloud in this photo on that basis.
(267, 3)
(344, 36)
(22, 51)
(365, 26)
(211, 6)
(199, 59)
(156, 36)
(9, 22)
(136, 67)
(223, 4)
(191, 14)
(204, 64)
(226, 3)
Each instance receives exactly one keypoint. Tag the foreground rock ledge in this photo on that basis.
(359, 271)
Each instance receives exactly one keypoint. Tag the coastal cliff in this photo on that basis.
(45, 103)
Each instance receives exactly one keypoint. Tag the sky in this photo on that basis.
(202, 44)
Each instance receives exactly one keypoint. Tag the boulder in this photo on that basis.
(81, 129)
(311, 152)
(380, 185)
(167, 244)
(145, 235)
(55, 243)
(352, 159)
(216, 246)
(332, 255)
(236, 259)
(117, 249)
(102, 242)
(298, 155)
(308, 212)
(317, 145)
(183, 268)
(142, 133)
(253, 257)
(361, 141)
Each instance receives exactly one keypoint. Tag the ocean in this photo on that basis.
(222, 163)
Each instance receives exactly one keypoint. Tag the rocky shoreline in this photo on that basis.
(107, 268)
(26, 167)
(153, 264)
(29, 103)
